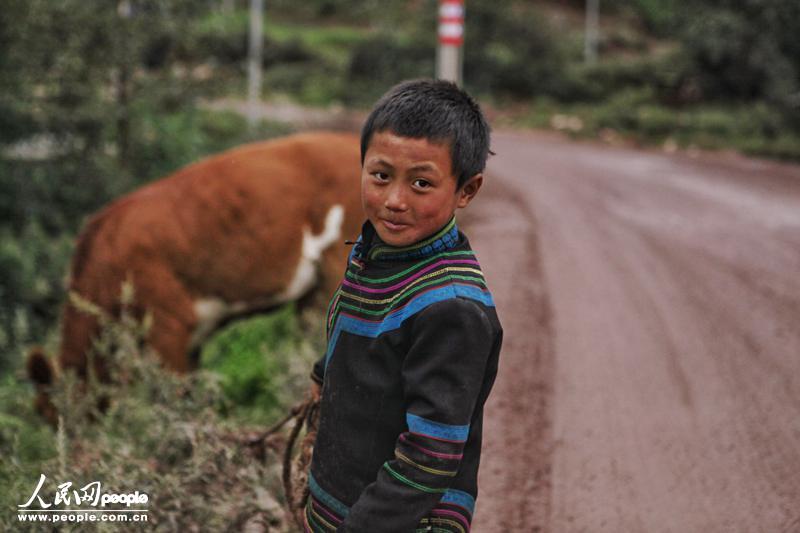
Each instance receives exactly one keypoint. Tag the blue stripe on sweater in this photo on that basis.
(396, 318)
(461, 498)
(423, 426)
(320, 494)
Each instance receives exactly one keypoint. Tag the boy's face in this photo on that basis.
(408, 189)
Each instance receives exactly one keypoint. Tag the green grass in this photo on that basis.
(332, 43)
(754, 129)
(263, 363)
(319, 81)
(224, 23)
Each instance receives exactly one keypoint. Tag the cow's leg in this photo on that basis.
(170, 336)
(79, 328)
(174, 319)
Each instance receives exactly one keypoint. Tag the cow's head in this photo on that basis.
(42, 374)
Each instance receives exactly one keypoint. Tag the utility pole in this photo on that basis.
(449, 56)
(591, 36)
(123, 87)
(254, 60)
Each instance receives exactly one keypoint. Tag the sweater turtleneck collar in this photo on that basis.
(370, 246)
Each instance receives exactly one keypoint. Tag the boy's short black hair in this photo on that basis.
(436, 110)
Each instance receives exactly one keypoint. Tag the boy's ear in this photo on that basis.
(469, 190)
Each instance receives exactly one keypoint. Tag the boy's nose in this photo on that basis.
(395, 200)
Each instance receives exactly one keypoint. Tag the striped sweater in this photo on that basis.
(413, 345)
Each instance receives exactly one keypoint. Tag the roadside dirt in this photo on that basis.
(516, 458)
(650, 377)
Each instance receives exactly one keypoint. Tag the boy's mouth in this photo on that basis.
(393, 226)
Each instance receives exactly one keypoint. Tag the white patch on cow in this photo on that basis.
(313, 245)
(210, 312)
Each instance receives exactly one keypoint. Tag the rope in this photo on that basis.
(295, 468)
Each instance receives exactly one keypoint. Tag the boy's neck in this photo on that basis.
(443, 239)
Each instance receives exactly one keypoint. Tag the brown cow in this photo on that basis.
(235, 234)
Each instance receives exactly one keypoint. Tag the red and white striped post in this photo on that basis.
(451, 40)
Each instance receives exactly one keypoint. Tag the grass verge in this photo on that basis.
(633, 116)
(180, 439)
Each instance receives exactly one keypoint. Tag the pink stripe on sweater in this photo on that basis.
(426, 451)
(329, 514)
(409, 279)
(440, 439)
(454, 514)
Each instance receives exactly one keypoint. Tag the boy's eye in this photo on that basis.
(382, 176)
(421, 184)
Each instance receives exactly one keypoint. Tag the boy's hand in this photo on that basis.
(316, 391)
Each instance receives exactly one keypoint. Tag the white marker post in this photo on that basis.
(451, 39)
(592, 31)
(254, 55)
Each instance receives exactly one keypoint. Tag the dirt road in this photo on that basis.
(650, 379)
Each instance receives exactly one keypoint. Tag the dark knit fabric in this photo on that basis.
(413, 345)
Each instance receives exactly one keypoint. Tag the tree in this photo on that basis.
(82, 76)
(746, 50)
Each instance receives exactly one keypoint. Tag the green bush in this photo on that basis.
(659, 16)
(31, 288)
(360, 11)
(319, 86)
(382, 61)
(785, 146)
(219, 35)
(661, 73)
(509, 50)
(622, 111)
(745, 51)
(303, 42)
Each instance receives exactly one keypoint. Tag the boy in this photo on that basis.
(413, 337)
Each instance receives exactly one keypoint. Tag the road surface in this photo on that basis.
(650, 378)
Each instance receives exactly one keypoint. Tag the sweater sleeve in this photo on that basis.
(318, 371)
(443, 374)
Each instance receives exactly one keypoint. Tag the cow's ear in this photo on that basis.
(39, 368)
